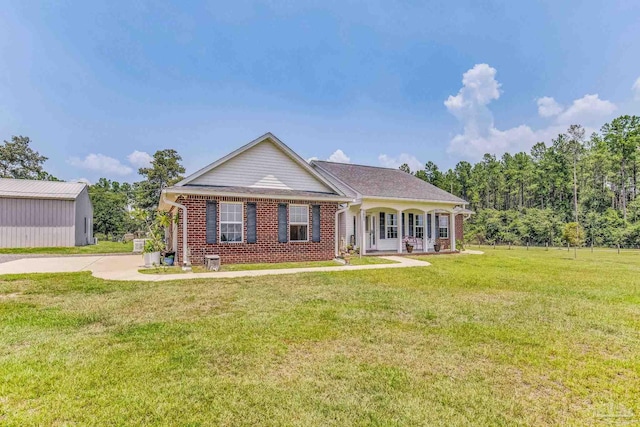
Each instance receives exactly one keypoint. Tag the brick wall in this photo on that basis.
(267, 248)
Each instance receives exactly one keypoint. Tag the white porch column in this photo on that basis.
(425, 233)
(363, 238)
(433, 226)
(452, 230)
(400, 231)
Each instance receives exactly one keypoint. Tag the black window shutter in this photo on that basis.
(315, 219)
(411, 225)
(251, 223)
(402, 225)
(383, 231)
(355, 237)
(428, 223)
(282, 223)
(212, 221)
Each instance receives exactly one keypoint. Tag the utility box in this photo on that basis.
(138, 246)
(212, 262)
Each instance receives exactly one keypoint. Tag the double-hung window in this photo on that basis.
(231, 222)
(443, 226)
(298, 223)
(392, 226)
(419, 226)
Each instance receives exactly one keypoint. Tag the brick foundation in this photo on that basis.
(267, 248)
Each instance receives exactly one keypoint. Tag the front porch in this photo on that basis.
(385, 229)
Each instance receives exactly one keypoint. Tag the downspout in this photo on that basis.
(337, 230)
(186, 264)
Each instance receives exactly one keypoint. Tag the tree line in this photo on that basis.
(573, 188)
(118, 207)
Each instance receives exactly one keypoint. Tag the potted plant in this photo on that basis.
(152, 249)
(153, 245)
(408, 244)
(349, 250)
(437, 246)
(169, 258)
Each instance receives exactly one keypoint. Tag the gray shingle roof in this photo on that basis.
(33, 189)
(257, 191)
(372, 181)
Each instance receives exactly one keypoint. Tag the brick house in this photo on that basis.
(264, 203)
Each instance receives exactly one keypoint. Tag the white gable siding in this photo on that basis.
(262, 166)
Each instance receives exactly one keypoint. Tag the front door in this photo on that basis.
(371, 231)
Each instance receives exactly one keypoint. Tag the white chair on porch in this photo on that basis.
(419, 244)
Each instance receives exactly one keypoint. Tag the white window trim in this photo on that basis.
(416, 226)
(298, 223)
(443, 228)
(220, 222)
(388, 227)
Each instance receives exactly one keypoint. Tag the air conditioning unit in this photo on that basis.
(138, 245)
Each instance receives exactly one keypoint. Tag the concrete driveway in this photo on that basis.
(125, 267)
(70, 264)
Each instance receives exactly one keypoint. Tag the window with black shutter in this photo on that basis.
(211, 221)
(411, 233)
(315, 223)
(282, 223)
(252, 236)
(383, 229)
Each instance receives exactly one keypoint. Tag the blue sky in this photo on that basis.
(98, 86)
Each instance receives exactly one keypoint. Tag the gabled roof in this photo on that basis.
(378, 182)
(33, 189)
(279, 144)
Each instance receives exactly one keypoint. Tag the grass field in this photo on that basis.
(506, 338)
(103, 247)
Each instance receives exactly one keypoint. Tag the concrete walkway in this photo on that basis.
(126, 268)
(471, 252)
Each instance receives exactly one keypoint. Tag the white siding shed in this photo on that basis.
(44, 214)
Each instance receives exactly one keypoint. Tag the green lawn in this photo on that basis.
(266, 266)
(101, 248)
(506, 338)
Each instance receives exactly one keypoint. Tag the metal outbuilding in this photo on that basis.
(44, 213)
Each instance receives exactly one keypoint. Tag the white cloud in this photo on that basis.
(311, 159)
(547, 107)
(636, 89)
(479, 88)
(339, 157)
(101, 163)
(140, 159)
(479, 136)
(396, 162)
(589, 109)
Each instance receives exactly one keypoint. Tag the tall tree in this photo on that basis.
(463, 176)
(18, 160)
(165, 170)
(622, 138)
(432, 174)
(573, 150)
(405, 168)
(110, 201)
